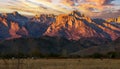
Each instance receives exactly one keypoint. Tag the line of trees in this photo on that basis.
(46, 47)
(36, 54)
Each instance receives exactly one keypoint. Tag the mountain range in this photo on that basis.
(74, 32)
(72, 26)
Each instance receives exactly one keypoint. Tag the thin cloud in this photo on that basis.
(92, 8)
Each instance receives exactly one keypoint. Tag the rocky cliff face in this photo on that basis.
(11, 29)
(116, 20)
(14, 25)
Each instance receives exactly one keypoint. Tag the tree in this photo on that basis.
(64, 53)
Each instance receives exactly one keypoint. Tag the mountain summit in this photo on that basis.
(76, 26)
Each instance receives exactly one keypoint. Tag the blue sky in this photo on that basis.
(117, 2)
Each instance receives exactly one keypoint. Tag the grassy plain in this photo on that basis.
(60, 64)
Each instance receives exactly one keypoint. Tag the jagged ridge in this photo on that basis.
(76, 26)
(73, 26)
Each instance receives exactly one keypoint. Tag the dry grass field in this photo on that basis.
(60, 64)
